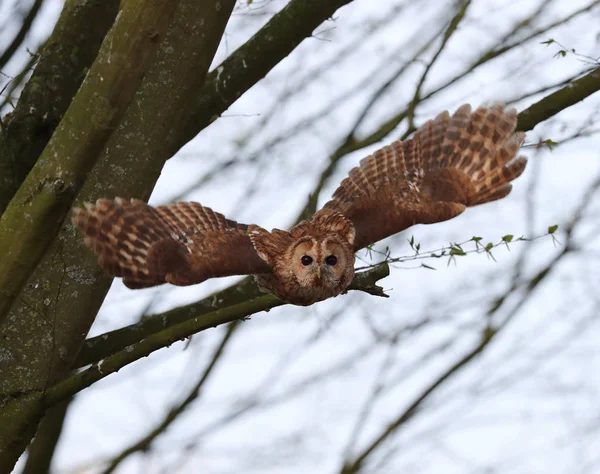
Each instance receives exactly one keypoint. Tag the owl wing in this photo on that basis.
(451, 163)
(181, 243)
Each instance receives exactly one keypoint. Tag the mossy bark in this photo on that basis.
(41, 336)
(32, 219)
(61, 68)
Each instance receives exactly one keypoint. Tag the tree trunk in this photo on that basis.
(47, 324)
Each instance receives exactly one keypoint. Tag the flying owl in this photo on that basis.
(451, 163)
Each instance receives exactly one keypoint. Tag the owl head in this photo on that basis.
(320, 261)
(316, 254)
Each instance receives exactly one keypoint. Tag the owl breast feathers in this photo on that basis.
(451, 163)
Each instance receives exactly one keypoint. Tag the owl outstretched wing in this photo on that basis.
(182, 243)
(450, 164)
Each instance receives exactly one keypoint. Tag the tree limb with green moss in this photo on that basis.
(74, 44)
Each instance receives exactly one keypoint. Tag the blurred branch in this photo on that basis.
(527, 21)
(350, 140)
(533, 282)
(544, 89)
(253, 60)
(494, 53)
(356, 465)
(145, 443)
(374, 393)
(452, 28)
(256, 401)
(13, 85)
(351, 143)
(21, 34)
(528, 286)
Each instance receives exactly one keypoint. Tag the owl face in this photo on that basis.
(312, 262)
(326, 263)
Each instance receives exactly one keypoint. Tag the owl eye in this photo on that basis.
(306, 260)
(331, 260)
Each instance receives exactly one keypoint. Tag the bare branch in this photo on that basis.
(21, 34)
(144, 443)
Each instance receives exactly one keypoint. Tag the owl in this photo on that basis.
(451, 163)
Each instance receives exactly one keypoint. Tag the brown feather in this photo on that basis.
(269, 245)
(180, 243)
(450, 163)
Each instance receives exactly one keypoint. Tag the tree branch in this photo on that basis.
(252, 61)
(145, 443)
(364, 282)
(563, 98)
(452, 28)
(159, 340)
(21, 34)
(62, 298)
(100, 347)
(46, 195)
(73, 44)
(357, 463)
(42, 448)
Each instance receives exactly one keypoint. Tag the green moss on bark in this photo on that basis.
(74, 44)
(40, 336)
(31, 220)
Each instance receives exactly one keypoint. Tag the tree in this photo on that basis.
(105, 107)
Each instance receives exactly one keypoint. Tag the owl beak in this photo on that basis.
(318, 274)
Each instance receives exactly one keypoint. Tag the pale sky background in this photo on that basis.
(530, 403)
